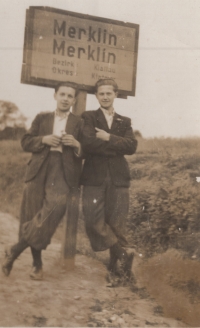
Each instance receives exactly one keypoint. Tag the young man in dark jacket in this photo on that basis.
(52, 178)
(107, 137)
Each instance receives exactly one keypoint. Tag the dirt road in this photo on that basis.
(82, 298)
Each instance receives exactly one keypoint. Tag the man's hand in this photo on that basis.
(103, 135)
(69, 140)
(51, 140)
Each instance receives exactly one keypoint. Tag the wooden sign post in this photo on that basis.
(70, 223)
(60, 45)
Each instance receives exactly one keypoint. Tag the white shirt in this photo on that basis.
(108, 117)
(59, 127)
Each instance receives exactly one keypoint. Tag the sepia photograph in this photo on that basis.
(100, 163)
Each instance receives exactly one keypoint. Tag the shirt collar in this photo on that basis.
(106, 112)
(66, 114)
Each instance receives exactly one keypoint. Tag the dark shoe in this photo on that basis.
(8, 261)
(36, 273)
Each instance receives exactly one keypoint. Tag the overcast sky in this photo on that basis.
(167, 101)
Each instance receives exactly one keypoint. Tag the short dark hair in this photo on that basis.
(108, 81)
(67, 84)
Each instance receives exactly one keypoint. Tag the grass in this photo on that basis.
(12, 162)
(164, 194)
(165, 197)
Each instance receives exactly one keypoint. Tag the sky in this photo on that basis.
(167, 100)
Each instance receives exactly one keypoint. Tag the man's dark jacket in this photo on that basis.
(103, 155)
(32, 142)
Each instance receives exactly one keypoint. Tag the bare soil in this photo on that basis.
(167, 293)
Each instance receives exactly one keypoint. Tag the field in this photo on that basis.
(164, 193)
(12, 163)
(163, 227)
(165, 196)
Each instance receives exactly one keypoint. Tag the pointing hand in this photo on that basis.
(101, 134)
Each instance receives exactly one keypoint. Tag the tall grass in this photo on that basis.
(165, 197)
(12, 168)
(164, 194)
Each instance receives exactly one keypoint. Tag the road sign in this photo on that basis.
(66, 46)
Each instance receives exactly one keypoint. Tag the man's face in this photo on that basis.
(106, 96)
(65, 98)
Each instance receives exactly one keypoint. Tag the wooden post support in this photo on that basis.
(70, 219)
(80, 104)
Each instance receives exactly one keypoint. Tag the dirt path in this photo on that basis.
(82, 297)
(174, 281)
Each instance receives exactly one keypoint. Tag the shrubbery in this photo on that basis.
(164, 195)
(12, 163)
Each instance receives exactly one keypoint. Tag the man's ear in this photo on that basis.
(54, 95)
(116, 94)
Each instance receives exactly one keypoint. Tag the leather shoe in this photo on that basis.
(7, 262)
(36, 273)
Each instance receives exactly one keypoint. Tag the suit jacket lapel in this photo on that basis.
(49, 123)
(116, 121)
(102, 120)
(71, 123)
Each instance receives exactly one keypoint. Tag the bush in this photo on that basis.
(12, 162)
(164, 194)
(165, 197)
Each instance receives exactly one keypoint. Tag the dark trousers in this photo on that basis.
(18, 248)
(105, 210)
(38, 230)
